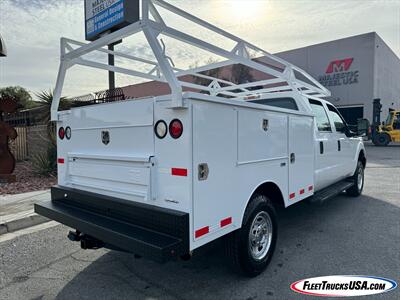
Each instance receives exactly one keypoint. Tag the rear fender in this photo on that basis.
(269, 189)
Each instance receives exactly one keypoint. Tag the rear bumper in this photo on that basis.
(150, 231)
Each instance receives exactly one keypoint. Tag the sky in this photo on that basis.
(32, 29)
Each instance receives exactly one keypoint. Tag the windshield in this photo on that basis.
(389, 119)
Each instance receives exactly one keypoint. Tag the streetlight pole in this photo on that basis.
(111, 62)
(111, 74)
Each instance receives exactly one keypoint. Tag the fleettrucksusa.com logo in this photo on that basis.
(337, 73)
(343, 286)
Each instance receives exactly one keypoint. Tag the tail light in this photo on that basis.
(160, 129)
(68, 132)
(175, 128)
(61, 133)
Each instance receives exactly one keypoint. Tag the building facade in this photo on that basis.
(356, 70)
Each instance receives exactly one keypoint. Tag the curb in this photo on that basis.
(25, 222)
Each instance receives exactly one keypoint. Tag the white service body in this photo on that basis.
(245, 145)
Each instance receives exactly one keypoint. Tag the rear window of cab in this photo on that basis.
(288, 103)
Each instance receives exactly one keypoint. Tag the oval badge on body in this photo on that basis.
(343, 286)
(105, 137)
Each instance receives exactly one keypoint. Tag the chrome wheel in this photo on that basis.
(360, 179)
(260, 236)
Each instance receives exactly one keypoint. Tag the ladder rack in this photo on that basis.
(280, 74)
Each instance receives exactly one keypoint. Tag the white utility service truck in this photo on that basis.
(162, 176)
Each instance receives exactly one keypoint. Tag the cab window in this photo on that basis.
(340, 125)
(321, 116)
(396, 122)
(288, 103)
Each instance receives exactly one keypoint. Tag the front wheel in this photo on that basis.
(251, 247)
(358, 179)
(381, 139)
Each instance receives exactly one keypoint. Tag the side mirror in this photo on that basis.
(350, 133)
(363, 126)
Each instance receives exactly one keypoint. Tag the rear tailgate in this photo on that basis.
(110, 150)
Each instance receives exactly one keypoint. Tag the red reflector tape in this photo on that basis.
(60, 160)
(310, 188)
(202, 231)
(301, 191)
(226, 221)
(179, 172)
(292, 195)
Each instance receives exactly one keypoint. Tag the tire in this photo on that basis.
(381, 139)
(358, 179)
(259, 214)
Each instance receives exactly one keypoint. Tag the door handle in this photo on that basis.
(321, 147)
(292, 158)
(339, 146)
(203, 171)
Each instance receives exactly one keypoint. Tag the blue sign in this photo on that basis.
(104, 15)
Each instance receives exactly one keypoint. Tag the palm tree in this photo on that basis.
(45, 99)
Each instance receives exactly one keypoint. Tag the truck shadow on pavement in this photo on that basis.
(343, 236)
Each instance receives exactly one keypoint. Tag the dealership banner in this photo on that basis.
(343, 286)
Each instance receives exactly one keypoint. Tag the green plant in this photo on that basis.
(45, 98)
(20, 94)
(46, 163)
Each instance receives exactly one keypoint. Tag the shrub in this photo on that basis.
(46, 163)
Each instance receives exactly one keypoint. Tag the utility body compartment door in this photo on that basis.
(235, 150)
(110, 150)
(301, 157)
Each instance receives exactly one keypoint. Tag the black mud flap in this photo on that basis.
(146, 230)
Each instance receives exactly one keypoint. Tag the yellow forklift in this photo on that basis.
(389, 130)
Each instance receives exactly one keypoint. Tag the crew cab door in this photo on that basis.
(346, 146)
(326, 165)
(301, 157)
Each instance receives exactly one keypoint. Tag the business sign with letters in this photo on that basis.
(108, 15)
(339, 72)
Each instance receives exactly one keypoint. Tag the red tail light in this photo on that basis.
(61, 133)
(175, 128)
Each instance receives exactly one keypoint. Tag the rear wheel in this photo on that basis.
(358, 179)
(381, 139)
(251, 247)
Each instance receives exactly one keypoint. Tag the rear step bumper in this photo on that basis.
(150, 231)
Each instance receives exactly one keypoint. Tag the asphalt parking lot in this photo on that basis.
(343, 236)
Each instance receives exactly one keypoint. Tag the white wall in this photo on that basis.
(377, 65)
(386, 77)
